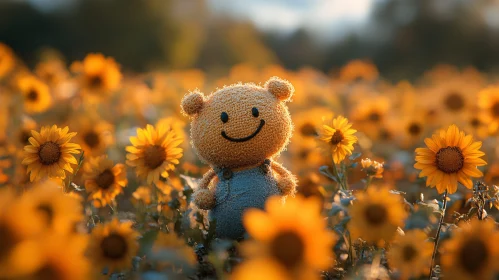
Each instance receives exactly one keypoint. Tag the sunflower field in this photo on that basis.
(395, 180)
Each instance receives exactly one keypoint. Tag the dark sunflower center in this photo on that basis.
(337, 137)
(114, 246)
(32, 95)
(495, 110)
(303, 154)
(309, 187)
(475, 122)
(47, 211)
(50, 76)
(24, 137)
(374, 116)
(92, 139)
(48, 272)
(95, 81)
(376, 214)
(308, 130)
(371, 170)
(450, 159)
(7, 240)
(288, 248)
(49, 153)
(454, 102)
(154, 156)
(473, 255)
(414, 129)
(409, 253)
(385, 134)
(105, 179)
(431, 113)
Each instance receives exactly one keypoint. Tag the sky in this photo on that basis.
(330, 18)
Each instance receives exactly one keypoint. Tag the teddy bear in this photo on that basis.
(239, 130)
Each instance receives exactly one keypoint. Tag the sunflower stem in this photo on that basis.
(113, 209)
(350, 249)
(368, 182)
(70, 178)
(344, 171)
(337, 176)
(437, 237)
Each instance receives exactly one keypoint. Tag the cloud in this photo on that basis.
(288, 15)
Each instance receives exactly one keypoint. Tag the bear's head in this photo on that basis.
(240, 125)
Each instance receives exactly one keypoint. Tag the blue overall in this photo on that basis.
(237, 191)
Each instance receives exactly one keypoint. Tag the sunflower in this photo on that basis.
(36, 94)
(409, 126)
(104, 180)
(18, 225)
(478, 125)
(414, 128)
(263, 269)
(59, 257)
(492, 174)
(451, 156)
(310, 185)
(58, 212)
(7, 60)
(4, 164)
(451, 99)
(339, 138)
(178, 126)
(143, 195)
(302, 147)
(171, 242)
(290, 237)
(50, 153)
(376, 215)
(94, 135)
(372, 168)
(113, 245)
(411, 254)
(359, 70)
(370, 113)
(488, 102)
(24, 132)
(473, 252)
(371, 109)
(170, 197)
(52, 71)
(99, 75)
(154, 152)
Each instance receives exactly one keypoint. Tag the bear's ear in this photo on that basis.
(282, 89)
(192, 103)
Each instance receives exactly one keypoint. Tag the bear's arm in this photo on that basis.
(204, 198)
(286, 181)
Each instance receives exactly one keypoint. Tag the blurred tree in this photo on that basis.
(403, 38)
(130, 30)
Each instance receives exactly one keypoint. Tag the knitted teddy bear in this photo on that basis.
(238, 130)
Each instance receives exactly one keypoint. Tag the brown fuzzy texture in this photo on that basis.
(238, 101)
(192, 103)
(287, 182)
(204, 199)
(282, 89)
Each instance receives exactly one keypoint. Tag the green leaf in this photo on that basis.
(354, 156)
(335, 209)
(324, 170)
(147, 241)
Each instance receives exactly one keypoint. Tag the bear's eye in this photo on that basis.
(224, 117)
(255, 112)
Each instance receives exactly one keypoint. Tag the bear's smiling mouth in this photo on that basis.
(224, 135)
